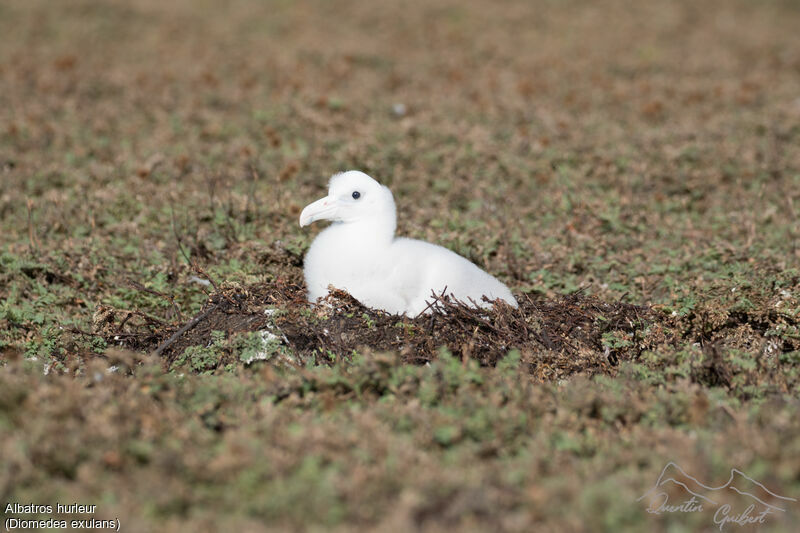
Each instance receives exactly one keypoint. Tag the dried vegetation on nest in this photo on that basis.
(555, 337)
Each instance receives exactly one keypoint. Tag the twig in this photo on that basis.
(177, 236)
(139, 287)
(230, 219)
(145, 316)
(545, 338)
(197, 268)
(79, 331)
(251, 197)
(31, 232)
(189, 325)
(432, 302)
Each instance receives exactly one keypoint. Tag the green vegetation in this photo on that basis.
(154, 159)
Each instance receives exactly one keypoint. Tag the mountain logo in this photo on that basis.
(695, 497)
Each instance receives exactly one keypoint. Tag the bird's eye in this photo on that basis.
(356, 195)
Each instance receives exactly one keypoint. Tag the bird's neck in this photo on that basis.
(369, 234)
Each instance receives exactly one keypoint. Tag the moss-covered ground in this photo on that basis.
(630, 169)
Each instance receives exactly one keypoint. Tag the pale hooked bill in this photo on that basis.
(360, 254)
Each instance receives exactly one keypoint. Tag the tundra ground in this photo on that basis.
(630, 169)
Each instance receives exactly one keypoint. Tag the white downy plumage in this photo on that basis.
(360, 254)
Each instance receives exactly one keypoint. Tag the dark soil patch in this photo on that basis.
(556, 337)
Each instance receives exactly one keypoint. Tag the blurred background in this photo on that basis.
(586, 135)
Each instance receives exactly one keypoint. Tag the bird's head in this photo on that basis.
(353, 197)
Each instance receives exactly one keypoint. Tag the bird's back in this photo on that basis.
(424, 268)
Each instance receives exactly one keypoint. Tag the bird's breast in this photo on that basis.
(332, 260)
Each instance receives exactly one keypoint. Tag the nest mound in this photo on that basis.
(556, 338)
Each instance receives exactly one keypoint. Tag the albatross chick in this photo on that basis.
(360, 254)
